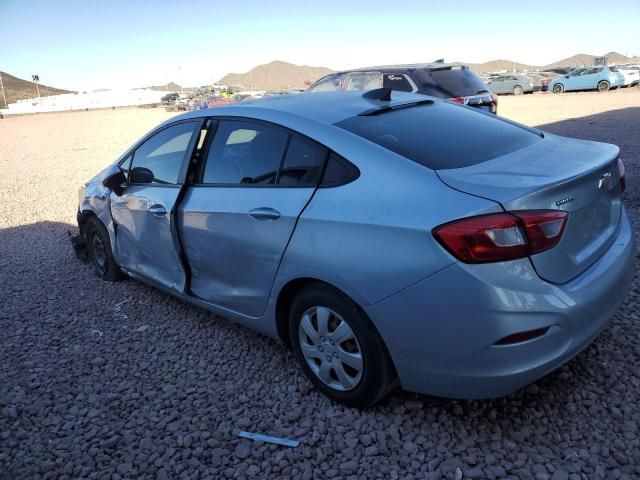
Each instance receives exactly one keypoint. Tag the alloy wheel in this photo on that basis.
(330, 348)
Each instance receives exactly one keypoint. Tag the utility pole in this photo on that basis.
(36, 79)
(3, 95)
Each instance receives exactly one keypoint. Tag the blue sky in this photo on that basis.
(85, 44)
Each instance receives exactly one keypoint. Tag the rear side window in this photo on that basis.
(338, 171)
(397, 82)
(244, 153)
(303, 163)
(441, 136)
(452, 82)
(164, 152)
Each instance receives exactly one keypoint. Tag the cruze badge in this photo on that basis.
(604, 181)
(564, 200)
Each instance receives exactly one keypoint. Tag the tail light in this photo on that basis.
(623, 179)
(459, 100)
(502, 236)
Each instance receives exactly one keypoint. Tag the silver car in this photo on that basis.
(514, 84)
(387, 239)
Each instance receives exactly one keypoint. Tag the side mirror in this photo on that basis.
(141, 175)
(116, 182)
(566, 76)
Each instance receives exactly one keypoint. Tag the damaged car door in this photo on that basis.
(144, 213)
(237, 218)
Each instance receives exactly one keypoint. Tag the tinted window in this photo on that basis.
(397, 82)
(303, 163)
(244, 152)
(614, 69)
(453, 82)
(338, 171)
(441, 136)
(164, 152)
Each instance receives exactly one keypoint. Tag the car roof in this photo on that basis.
(323, 107)
(406, 66)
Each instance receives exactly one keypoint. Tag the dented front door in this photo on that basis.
(144, 215)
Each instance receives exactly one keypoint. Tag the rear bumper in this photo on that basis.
(441, 332)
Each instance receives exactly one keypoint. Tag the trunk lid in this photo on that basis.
(557, 173)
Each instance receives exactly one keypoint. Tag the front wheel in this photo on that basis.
(603, 86)
(338, 347)
(100, 253)
(558, 88)
(517, 90)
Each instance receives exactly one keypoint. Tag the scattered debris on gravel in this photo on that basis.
(118, 381)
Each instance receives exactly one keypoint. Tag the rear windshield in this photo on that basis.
(453, 82)
(441, 136)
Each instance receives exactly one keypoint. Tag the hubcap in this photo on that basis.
(330, 348)
(99, 251)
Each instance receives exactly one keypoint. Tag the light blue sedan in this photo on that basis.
(590, 78)
(387, 238)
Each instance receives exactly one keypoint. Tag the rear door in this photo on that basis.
(236, 220)
(144, 214)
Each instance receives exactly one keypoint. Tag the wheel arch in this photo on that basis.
(287, 294)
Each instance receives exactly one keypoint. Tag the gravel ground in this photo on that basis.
(104, 380)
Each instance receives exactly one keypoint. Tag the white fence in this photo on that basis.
(84, 100)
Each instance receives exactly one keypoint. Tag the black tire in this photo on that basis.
(558, 88)
(100, 253)
(378, 375)
(518, 90)
(603, 86)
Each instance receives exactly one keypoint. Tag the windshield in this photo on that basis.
(441, 135)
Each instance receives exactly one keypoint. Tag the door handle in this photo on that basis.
(158, 210)
(264, 214)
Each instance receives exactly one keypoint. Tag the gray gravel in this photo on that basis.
(91, 387)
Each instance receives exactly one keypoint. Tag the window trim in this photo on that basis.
(290, 134)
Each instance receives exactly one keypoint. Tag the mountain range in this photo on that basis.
(283, 75)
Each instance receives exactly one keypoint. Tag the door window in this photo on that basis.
(397, 82)
(303, 163)
(164, 152)
(245, 153)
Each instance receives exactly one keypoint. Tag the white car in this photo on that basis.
(631, 76)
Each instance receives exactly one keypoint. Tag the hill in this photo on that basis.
(275, 75)
(586, 59)
(498, 65)
(17, 89)
(172, 87)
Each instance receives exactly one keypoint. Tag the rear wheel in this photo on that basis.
(100, 253)
(517, 90)
(338, 347)
(603, 86)
(558, 88)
